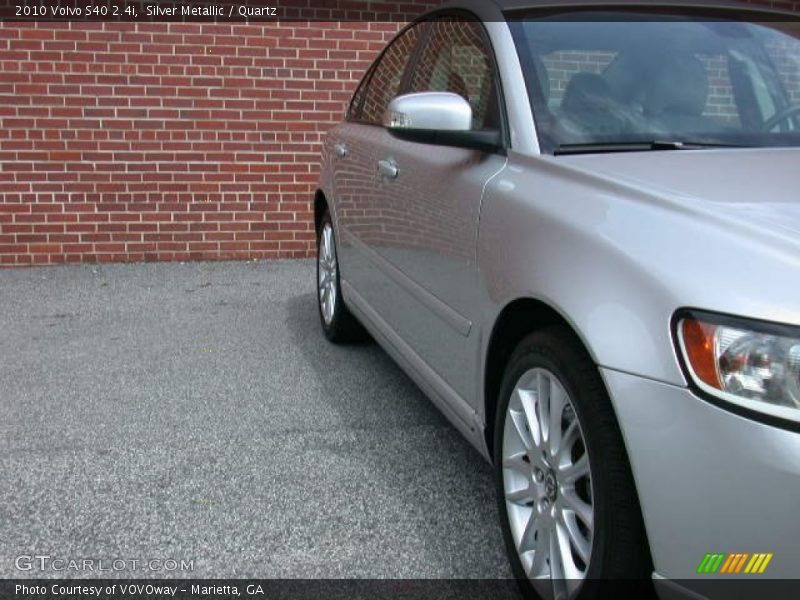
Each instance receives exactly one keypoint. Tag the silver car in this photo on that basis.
(577, 227)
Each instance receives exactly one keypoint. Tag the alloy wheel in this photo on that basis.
(547, 485)
(327, 274)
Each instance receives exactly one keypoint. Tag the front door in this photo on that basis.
(429, 205)
(354, 147)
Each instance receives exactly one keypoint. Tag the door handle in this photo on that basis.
(340, 150)
(388, 168)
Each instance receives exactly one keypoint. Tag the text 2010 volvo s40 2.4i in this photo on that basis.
(577, 227)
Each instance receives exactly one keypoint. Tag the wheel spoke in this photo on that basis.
(518, 463)
(529, 403)
(328, 242)
(558, 400)
(527, 540)
(331, 245)
(572, 473)
(520, 423)
(580, 543)
(557, 569)
(331, 300)
(543, 406)
(568, 567)
(571, 435)
(582, 510)
(523, 496)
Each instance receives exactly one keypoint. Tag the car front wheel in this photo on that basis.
(569, 509)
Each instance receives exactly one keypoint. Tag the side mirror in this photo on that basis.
(437, 118)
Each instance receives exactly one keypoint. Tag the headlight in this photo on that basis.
(753, 364)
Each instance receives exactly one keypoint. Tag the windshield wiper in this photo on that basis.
(638, 146)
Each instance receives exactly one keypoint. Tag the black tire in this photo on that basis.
(343, 327)
(619, 548)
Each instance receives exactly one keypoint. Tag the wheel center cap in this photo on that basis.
(550, 486)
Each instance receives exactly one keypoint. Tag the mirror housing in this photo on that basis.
(437, 118)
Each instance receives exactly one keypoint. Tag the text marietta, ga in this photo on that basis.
(154, 10)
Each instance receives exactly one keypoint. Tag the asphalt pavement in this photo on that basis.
(194, 412)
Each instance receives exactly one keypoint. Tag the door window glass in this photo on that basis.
(457, 59)
(387, 75)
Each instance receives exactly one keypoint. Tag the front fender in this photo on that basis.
(568, 243)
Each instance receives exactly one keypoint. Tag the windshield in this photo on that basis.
(614, 81)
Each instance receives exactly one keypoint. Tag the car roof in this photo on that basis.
(544, 5)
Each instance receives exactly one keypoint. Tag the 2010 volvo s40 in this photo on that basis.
(577, 227)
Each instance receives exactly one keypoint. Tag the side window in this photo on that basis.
(457, 59)
(354, 110)
(387, 75)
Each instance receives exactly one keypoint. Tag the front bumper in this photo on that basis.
(709, 481)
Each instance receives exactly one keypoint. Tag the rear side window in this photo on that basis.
(383, 84)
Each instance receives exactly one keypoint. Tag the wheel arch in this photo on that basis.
(320, 204)
(515, 321)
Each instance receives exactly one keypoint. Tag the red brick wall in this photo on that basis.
(181, 141)
(130, 142)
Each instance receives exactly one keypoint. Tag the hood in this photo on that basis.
(757, 187)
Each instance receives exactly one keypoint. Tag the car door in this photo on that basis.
(354, 147)
(429, 208)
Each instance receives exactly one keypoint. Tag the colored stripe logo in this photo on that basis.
(734, 564)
